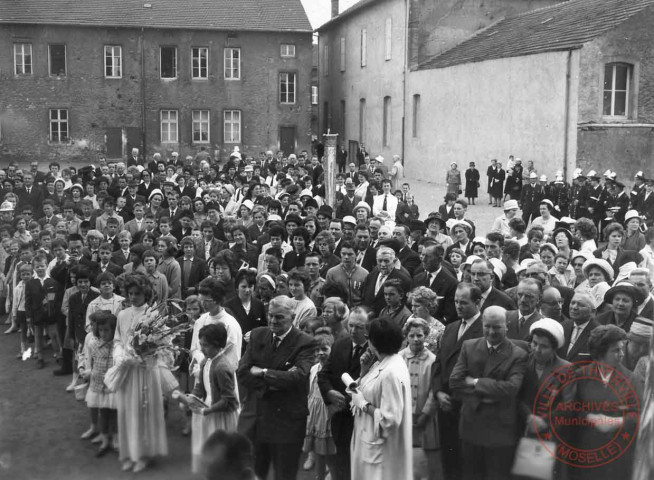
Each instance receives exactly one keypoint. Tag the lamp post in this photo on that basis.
(329, 166)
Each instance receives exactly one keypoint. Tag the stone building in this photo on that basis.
(88, 78)
(565, 86)
(368, 50)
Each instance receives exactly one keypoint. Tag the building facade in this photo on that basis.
(160, 78)
(566, 86)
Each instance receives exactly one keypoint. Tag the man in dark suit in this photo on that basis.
(210, 245)
(577, 329)
(183, 228)
(366, 255)
(275, 372)
(407, 257)
(193, 268)
(530, 197)
(373, 293)
(467, 299)
(529, 298)
(482, 277)
(134, 159)
(646, 204)
(538, 270)
(487, 378)
(346, 203)
(344, 358)
(132, 197)
(30, 195)
(439, 280)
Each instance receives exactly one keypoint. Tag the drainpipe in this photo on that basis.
(404, 73)
(143, 109)
(566, 140)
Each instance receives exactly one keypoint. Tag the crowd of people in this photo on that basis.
(353, 339)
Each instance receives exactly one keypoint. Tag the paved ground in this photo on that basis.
(40, 425)
(429, 196)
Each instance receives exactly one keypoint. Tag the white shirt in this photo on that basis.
(234, 339)
(391, 205)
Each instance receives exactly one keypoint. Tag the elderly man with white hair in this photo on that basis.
(275, 371)
(373, 293)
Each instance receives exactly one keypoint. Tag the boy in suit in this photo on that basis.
(41, 293)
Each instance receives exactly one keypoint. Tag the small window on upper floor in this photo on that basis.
(200, 63)
(287, 50)
(113, 61)
(168, 62)
(22, 58)
(57, 54)
(617, 89)
(232, 64)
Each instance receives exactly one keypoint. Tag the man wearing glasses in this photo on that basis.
(482, 278)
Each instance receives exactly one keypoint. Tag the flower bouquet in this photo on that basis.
(152, 344)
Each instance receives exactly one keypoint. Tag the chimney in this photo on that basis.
(334, 8)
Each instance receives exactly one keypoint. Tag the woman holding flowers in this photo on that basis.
(139, 396)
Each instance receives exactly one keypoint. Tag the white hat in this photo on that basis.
(639, 174)
(306, 193)
(608, 173)
(592, 174)
(533, 175)
(551, 326)
(641, 327)
(292, 155)
(471, 259)
(349, 219)
(511, 205)
(248, 204)
(154, 192)
(379, 158)
(577, 173)
(363, 205)
(273, 218)
(462, 223)
(6, 206)
(632, 214)
(499, 269)
(543, 178)
(601, 264)
(248, 168)
(175, 154)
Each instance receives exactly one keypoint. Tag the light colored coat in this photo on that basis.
(382, 444)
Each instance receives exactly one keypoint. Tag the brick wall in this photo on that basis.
(98, 105)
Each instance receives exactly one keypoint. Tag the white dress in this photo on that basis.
(382, 445)
(139, 399)
(234, 339)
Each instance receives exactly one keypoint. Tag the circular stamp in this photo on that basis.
(586, 414)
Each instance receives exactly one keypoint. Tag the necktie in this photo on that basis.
(385, 205)
(573, 338)
(29, 190)
(521, 324)
(276, 342)
(380, 281)
(83, 298)
(187, 271)
(356, 353)
(492, 351)
(462, 329)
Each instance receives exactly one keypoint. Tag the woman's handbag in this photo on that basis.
(534, 458)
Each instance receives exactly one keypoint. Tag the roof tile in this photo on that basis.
(250, 15)
(562, 26)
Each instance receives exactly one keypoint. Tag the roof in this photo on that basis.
(231, 15)
(346, 13)
(563, 26)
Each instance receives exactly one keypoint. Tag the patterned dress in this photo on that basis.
(98, 360)
(318, 437)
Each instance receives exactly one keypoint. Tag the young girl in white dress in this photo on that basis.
(216, 388)
(139, 398)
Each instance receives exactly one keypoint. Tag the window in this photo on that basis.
(617, 80)
(232, 127)
(325, 59)
(314, 94)
(58, 125)
(113, 62)
(287, 50)
(342, 54)
(386, 134)
(169, 126)
(364, 47)
(200, 126)
(200, 62)
(57, 60)
(232, 64)
(23, 58)
(286, 88)
(388, 39)
(168, 62)
(416, 112)
(362, 120)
